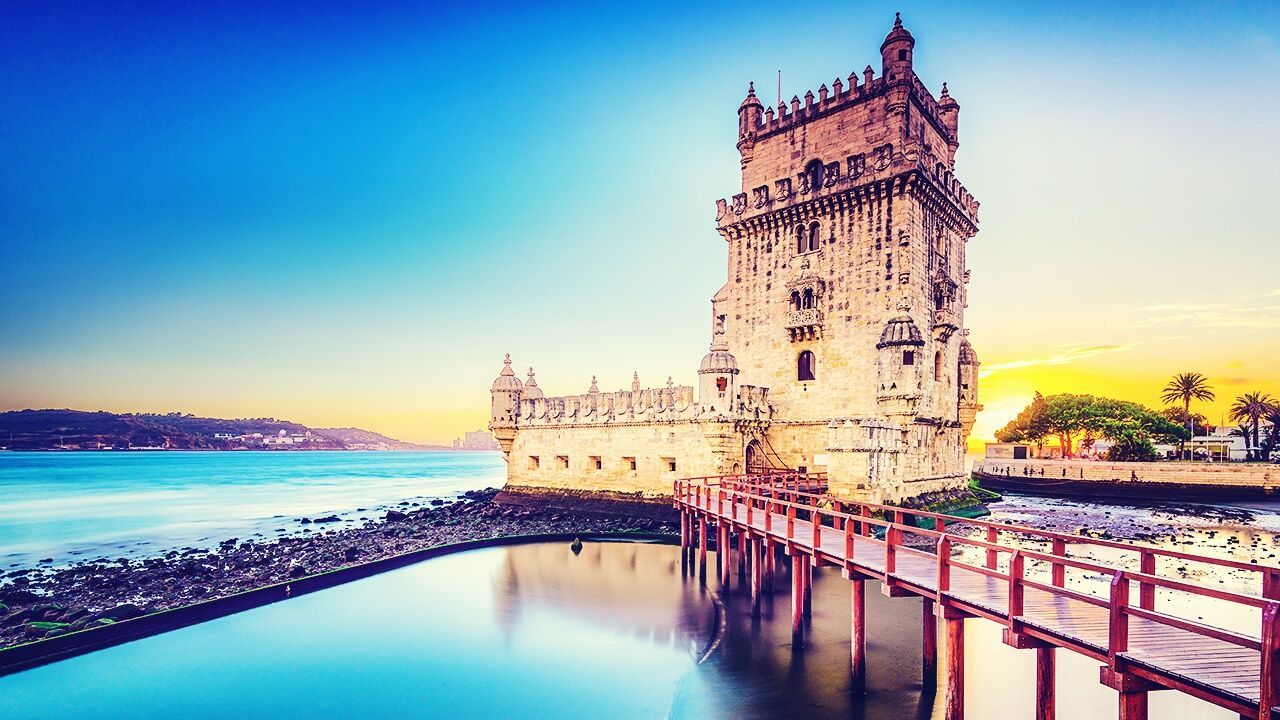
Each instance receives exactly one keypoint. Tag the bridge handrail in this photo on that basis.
(1271, 573)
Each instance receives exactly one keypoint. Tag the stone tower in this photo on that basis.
(846, 279)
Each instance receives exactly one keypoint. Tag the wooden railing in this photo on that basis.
(740, 498)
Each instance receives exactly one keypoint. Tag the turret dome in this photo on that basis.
(900, 330)
(507, 380)
(531, 389)
(967, 355)
(898, 34)
(719, 361)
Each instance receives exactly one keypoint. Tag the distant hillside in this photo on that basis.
(356, 438)
(80, 430)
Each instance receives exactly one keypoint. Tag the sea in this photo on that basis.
(57, 507)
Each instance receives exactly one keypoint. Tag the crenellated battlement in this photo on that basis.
(673, 403)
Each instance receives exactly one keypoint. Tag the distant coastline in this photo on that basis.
(64, 430)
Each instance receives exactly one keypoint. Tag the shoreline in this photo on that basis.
(39, 603)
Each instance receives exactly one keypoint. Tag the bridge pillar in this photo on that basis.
(770, 555)
(798, 564)
(702, 542)
(1045, 684)
(742, 556)
(1132, 691)
(955, 667)
(928, 646)
(723, 555)
(757, 576)
(858, 636)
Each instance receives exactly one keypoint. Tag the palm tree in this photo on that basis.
(1248, 410)
(1185, 387)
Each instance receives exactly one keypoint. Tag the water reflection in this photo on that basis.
(536, 631)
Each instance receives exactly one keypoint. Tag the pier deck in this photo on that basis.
(1140, 648)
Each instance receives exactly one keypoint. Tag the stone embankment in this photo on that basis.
(1151, 480)
(41, 602)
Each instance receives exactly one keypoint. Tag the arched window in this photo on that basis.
(805, 366)
(813, 236)
(807, 299)
(795, 300)
(937, 365)
(813, 174)
(801, 245)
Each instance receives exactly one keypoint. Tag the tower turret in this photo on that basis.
(895, 53)
(531, 390)
(898, 366)
(949, 114)
(749, 113)
(504, 406)
(969, 405)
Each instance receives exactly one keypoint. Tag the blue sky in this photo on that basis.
(344, 214)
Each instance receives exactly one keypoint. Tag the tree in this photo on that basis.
(1248, 410)
(1199, 424)
(1271, 439)
(1131, 428)
(1183, 388)
(1030, 426)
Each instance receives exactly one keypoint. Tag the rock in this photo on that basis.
(18, 596)
(352, 553)
(437, 502)
(576, 546)
(327, 519)
(121, 612)
(396, 516)
(304, 521)
(297, 571)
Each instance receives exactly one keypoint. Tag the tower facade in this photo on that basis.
(837, 338)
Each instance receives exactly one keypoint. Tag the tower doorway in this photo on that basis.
(756, 461)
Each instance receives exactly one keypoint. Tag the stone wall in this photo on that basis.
(566, 456)
(1259, 476)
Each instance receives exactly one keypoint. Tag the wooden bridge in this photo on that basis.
(1141, 649)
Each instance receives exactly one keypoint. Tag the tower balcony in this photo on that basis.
(945, 322)
(804, 324)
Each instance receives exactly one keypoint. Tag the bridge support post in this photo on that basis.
(1045, 684)
(742, 556)
(858, 636)
(684, 529)
(702, 542)
(798, 564)
(723, 555)
(757, 576)
(1132, 692)
(928, 646)
(955, 667)
(770, 555)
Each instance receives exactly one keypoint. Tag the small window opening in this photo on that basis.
(908, 357)
(563, 461)
(800, 239)
(534, 462)
(813, 237)
(795, 300)
(902, 54)
(596, 462)
(671, 464)
(807, 299)
(722, 384)
(805, 366)
(630, 462)
(937, 365)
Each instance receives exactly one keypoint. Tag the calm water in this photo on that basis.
(536, 632)
(87, 504)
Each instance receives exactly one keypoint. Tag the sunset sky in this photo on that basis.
(345, 215)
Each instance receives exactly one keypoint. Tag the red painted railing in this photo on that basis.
(794, 495)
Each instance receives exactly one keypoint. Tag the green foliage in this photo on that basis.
(1249, 410)
(1187, 419)
(42, 625)
(1185, 387)
(1069, 417)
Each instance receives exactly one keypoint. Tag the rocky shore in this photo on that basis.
(43, 602)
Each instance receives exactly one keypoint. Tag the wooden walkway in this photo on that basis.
(1140, 648)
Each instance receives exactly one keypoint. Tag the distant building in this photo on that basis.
(476, 440)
